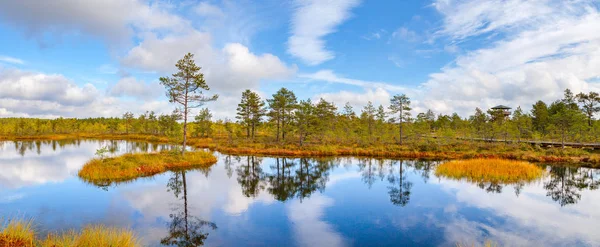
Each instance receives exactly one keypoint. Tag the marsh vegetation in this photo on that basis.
(21, 233)
(490, 170)
(104, 171)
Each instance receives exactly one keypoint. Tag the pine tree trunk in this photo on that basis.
(185, 114)
(184, 130)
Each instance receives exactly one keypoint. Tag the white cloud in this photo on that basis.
(110, 20)
(396, 61)
(228, 71)
(107, 69)
(466, 18)
(130, 86)
(309, 228)
(537, 59)
(22, 85)
(208, 10)
(12, 60)
(232, 69)
(331, 77)
(311, 22)
(357, 100)
(161, 54)
(533, 219)
(47, 167)
(405, 34)
(33, 94)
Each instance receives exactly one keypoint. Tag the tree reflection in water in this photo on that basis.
(250, 176)
(566, 183)
(288, 178)
(281, 180)
(185, 230)
(399, 189)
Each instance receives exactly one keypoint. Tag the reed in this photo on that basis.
(131, 166)
(490, 170)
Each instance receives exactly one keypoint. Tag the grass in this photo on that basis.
(20, 233)
(96, 235)
(490, 170)
(131, 166)
(17, 233)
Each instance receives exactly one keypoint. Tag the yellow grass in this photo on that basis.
(93, 236)
(490, 170)
(20, 233)
(17, 233)
(131, 166)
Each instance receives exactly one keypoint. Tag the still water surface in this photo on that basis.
(252, 201)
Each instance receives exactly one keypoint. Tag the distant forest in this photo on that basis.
(285, 119)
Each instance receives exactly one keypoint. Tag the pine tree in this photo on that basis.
(368, 116)
(589, 104)
(281, 107)
(400, 104)
(251, 109)
(185, 88)
(306, 120)
(203, 123)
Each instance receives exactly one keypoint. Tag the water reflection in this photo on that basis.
(185, 230)
(399, 189)
(301, 201)
(566, 183)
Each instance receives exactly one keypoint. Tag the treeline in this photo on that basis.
(285, 119)
(147, 123)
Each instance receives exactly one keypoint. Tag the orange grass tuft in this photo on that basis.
(95, 235)
(20, 233)
(17, 233)
(131, 166)
(490, 170)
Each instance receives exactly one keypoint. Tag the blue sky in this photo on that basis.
(76, 58)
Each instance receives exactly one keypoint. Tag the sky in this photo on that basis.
(73, 58)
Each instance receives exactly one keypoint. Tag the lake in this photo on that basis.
(254, 201)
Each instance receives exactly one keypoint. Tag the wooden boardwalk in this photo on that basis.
(538, 143)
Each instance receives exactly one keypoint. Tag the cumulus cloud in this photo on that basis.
(130, 86)
(111, 20)
(34, 94)
(311, 22)
(227, 71)
(23, 85)
(233, 68)
(160, 54)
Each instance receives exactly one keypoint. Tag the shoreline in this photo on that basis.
(456, 150)
(128, 167)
